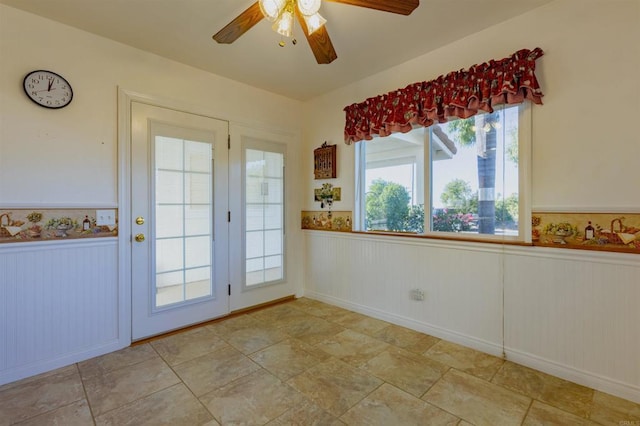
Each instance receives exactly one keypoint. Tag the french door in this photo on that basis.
(179, 207)
(258, 217)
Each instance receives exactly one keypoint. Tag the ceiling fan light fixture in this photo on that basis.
(271, 9)
(309, 7)
(284, 24)
(314, 22)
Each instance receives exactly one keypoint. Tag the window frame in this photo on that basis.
(524, 189)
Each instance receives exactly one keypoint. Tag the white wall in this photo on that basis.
(571, 318)
(76, 145)
(68, 158)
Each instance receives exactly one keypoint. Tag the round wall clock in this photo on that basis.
(48, 89)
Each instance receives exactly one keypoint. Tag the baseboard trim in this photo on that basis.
(39, 367)
(582, 377)
(441, 333)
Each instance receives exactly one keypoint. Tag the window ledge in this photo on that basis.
(465, 238)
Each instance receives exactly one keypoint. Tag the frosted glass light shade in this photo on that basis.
(314, 22)
(309, 7)
(271, 9)
(284, 24)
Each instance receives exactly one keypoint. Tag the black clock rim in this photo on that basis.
(24, 87)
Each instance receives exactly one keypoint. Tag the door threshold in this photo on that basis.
(231, 314)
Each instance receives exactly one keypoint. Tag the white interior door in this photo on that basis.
(179, 205)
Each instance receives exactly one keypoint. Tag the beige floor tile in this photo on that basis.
(288, 358)
(279, 315)
(388, 405)
(334, 385)
(541, 414)
(306, 414)
(406, 370)
(75, 414)
(69, 369)
(311, 329)
(237, 322)
(256, 398)
(406, 339)
(477, 401)
(188, 345)
(465, 359)
(175, 405)
(217, 327)
(305, 362)
(214, 370)
(251, 339)
(611, 410)
(124, 385)
(360, 323)
(552, 390)
(352, 347)
(114, 360)
(320, 309)
(31, 397)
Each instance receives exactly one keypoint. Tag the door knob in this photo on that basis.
(140, 220)
(139, 238)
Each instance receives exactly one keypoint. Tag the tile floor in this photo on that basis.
(304, 363)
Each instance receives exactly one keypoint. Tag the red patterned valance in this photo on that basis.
(458, 94)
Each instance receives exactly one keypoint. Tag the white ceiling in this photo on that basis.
(366, 41)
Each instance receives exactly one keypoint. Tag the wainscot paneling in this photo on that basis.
(576, 316)
(58, 304)
(570, 313)
(376, 275)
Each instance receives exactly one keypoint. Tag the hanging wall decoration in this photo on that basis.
(327, 195)
(324, 162)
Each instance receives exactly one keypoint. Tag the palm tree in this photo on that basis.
(481, 132)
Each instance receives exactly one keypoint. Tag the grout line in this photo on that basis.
(86, 395)
(527, 412)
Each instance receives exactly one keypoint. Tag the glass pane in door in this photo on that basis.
(264, 217)
(183, 218)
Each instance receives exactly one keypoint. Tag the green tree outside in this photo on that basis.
(387, 203)
(458, 195)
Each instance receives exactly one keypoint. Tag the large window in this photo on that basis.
(471, 181)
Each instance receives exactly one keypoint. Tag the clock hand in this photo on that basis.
(50, 84)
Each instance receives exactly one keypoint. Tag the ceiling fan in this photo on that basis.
(282, 13)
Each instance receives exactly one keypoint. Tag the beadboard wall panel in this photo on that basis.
(572, 313)
(462, 290)
(58, 304)
(576, 316)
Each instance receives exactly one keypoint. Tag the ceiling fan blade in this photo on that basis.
(319, 42)
(402, 7)
(234, 29)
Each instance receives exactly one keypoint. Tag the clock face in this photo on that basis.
(47, 89)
